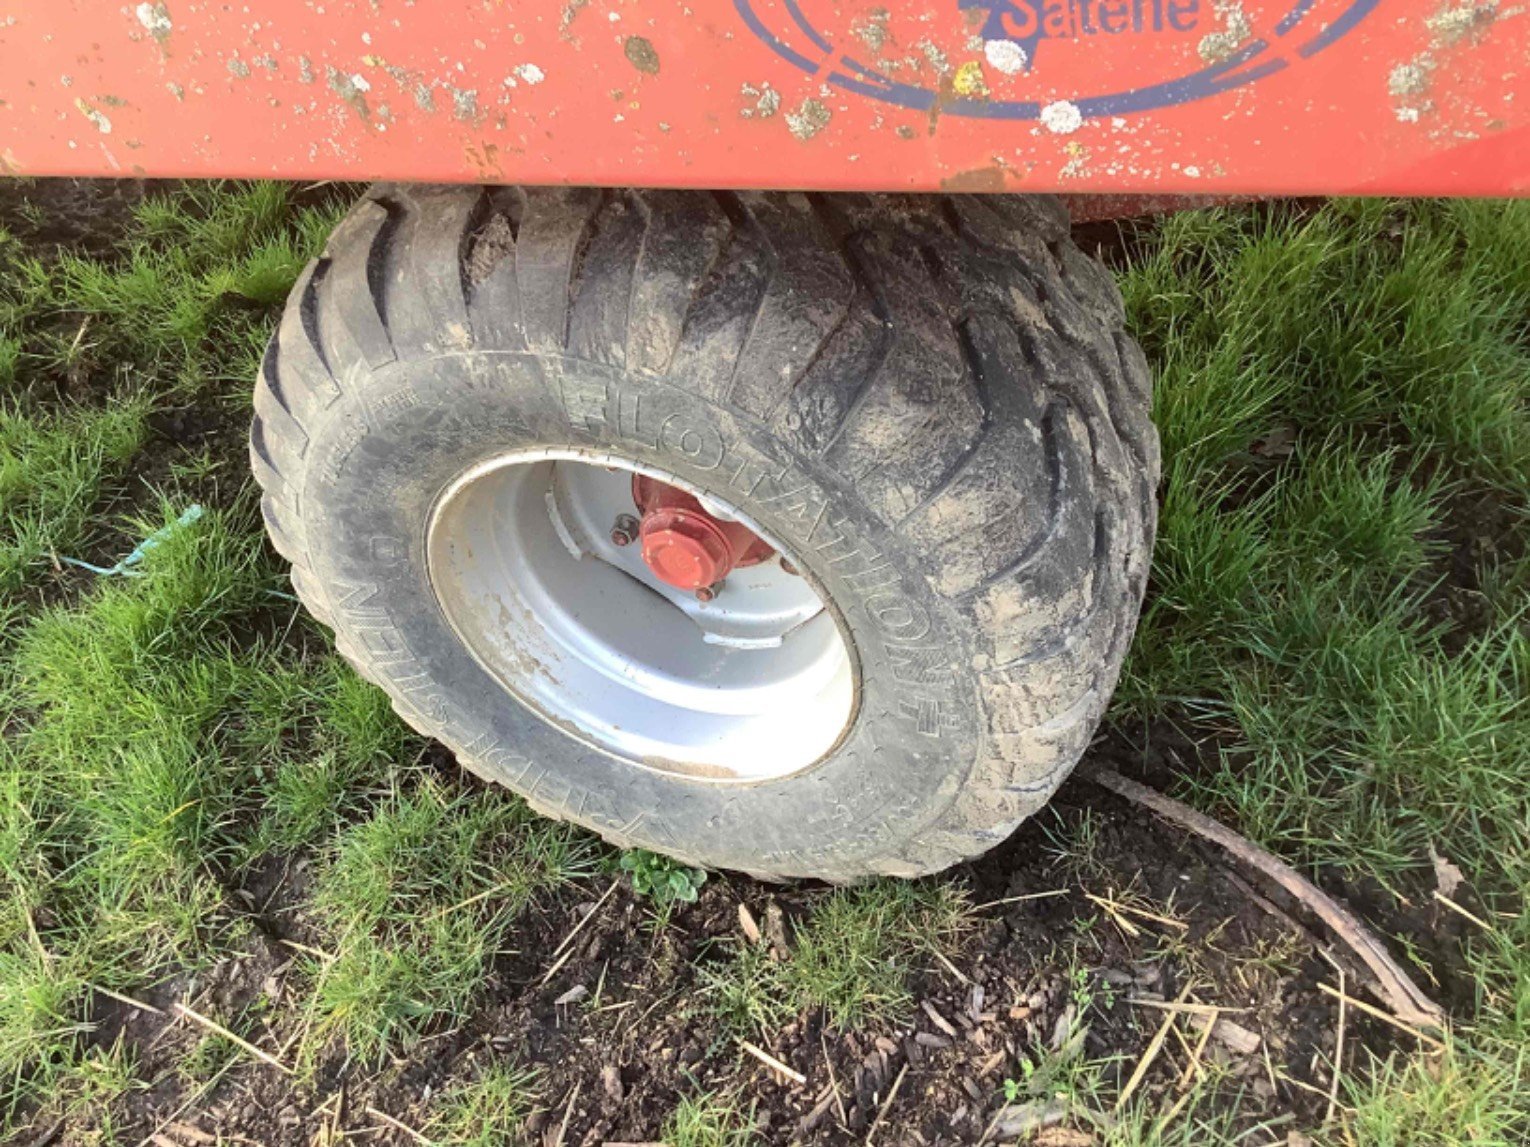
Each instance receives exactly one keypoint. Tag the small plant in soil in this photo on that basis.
(662, 880)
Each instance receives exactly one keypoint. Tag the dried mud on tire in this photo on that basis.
(934, 402)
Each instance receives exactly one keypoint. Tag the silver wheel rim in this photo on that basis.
(754, 685)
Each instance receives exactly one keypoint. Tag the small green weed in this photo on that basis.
(661, 879)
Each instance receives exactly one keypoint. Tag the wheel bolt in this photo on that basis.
(625, 531)
(707, 592)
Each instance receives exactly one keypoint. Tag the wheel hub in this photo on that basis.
(696, 652)
(686, 546)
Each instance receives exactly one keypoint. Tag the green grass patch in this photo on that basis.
(1336, 389)
(54, 468)
(1456, 1100)
(193, 293)
(418, 899)
(127, 690)
(153, 732)
(90, 348)
(852, 957)
(709, 1121)
(161, 731)
(488, 1111)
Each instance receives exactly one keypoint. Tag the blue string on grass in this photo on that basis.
(158, 537)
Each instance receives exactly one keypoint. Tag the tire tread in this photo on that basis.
(887, 336)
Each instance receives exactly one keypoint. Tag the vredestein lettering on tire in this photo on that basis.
(928, 406)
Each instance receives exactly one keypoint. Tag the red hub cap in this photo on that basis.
(685, 546)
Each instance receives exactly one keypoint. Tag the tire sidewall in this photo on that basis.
(374, 475)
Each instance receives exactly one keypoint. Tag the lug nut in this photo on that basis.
(625, 531)
(707, 592)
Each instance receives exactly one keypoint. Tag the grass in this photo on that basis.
(418, 899)
(852, 958)
(488, 1111)
(89, 348)
(161, 702)
(1339, 393)
(53, 469)
(205, 724)
(1337, 617)
(709, 1121)
(163, 731)
(116, 866)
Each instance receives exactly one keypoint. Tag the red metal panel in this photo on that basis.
(1203, 97)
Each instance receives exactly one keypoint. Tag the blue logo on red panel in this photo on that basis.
(999, 55)
(1027, 24)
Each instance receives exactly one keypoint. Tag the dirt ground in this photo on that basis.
(614, 1072)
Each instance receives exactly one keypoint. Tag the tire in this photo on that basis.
(933, 400)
